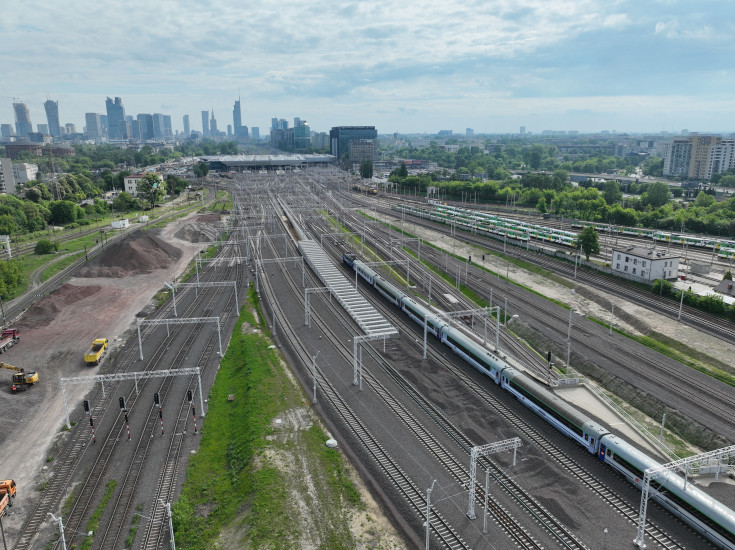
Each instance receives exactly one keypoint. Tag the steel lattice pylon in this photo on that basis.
(484, 450)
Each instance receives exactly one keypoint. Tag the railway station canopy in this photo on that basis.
(246, 163)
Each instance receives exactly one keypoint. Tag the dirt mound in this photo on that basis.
(196, 233)
(208, 218)
(45, 310)
(139, 253)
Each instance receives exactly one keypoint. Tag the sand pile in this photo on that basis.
(137, 254)
(45, 310)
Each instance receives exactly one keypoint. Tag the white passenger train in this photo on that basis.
(711, 518)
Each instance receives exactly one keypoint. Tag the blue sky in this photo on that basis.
(492, 65)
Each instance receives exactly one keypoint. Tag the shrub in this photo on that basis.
(45, 246)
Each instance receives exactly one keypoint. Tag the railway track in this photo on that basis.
(630, 512)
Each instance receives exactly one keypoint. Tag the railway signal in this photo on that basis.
(190, 398)
(124, 410)
(157, 401)
(91, 422)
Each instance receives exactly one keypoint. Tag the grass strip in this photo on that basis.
(94, 521)
(233, 483)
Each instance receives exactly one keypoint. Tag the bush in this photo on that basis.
(45, 246)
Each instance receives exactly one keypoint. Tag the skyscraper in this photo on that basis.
(213, 125)
(146, 126)
(7, 130)
(52, 115)
(255, 132)
(168, 130)
(93, 125)
(158, 131)
(237, 118)
(341, 136)
(205, 123)
(187, 128)
(23, 125)
(115, 118)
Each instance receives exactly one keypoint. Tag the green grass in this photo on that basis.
(94, 521)
(62, 264)
(69, 502)
(230, 482)
(133, 528)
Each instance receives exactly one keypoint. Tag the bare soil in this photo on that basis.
(101, 302)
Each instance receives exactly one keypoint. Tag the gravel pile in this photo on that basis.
(135, 255)
(44, 311)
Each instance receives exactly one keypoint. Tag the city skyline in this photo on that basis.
(493, 66)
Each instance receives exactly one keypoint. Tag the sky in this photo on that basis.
(422, 66)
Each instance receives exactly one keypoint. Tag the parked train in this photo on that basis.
(703, 513)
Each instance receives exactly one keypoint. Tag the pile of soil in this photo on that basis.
(197, 233)
(208, 218)
(45, 310)
(137, 254)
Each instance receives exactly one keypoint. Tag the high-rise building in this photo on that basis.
(52, 115)
(469, 132)
(134, 128)
(146, 126)
(115, 118)
(283, 124)
(523, 130)
(93, 126)
(699, 161)
(23, 125)
(7, 181)
(340, 137)
(274, 123)
(7, 130)
(229, 129)
(213, 125)
(187, 128)
(158, 129)
(237, 118)
(43, 129)
(205, 123)
(361, 150)
(302, 135)
(721, 158)
(168, 130)
(676, 157)
(70, 128)
(255, 132)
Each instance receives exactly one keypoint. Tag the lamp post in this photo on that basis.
(170, 522)
(61, 530)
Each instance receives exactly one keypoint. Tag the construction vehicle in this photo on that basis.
(22, 380)
(98, 350)
(8, 338)
(7, 494)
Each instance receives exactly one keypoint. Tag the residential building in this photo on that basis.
(115, 119)
(205, 123)
(699, 161)
(146, 126)
(187, 128)
(24, 172)
(52, 115)
(676, 156)
(340, 137)
(130, 182)
(274, 123)
(721, 157)
(7, 180)
(644, 264)
(469, 132)
(93, 126)
(23, 125)
(320, 140)
(134, 128)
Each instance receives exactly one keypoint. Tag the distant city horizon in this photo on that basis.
(38, 116)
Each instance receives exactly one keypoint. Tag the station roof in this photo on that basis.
(268, 160)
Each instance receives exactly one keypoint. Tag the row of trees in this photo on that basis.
(552, 193)
(712, 303)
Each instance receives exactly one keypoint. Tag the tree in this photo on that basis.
(728, 276)
(658, 194)
(588, 242)
(201, 169)
(402, 171)
(541, 205)
(612, 193)
(366, 169)
(63, 212)
(704, 199)
(151, 188)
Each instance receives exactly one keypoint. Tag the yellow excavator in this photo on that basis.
(22, 380)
